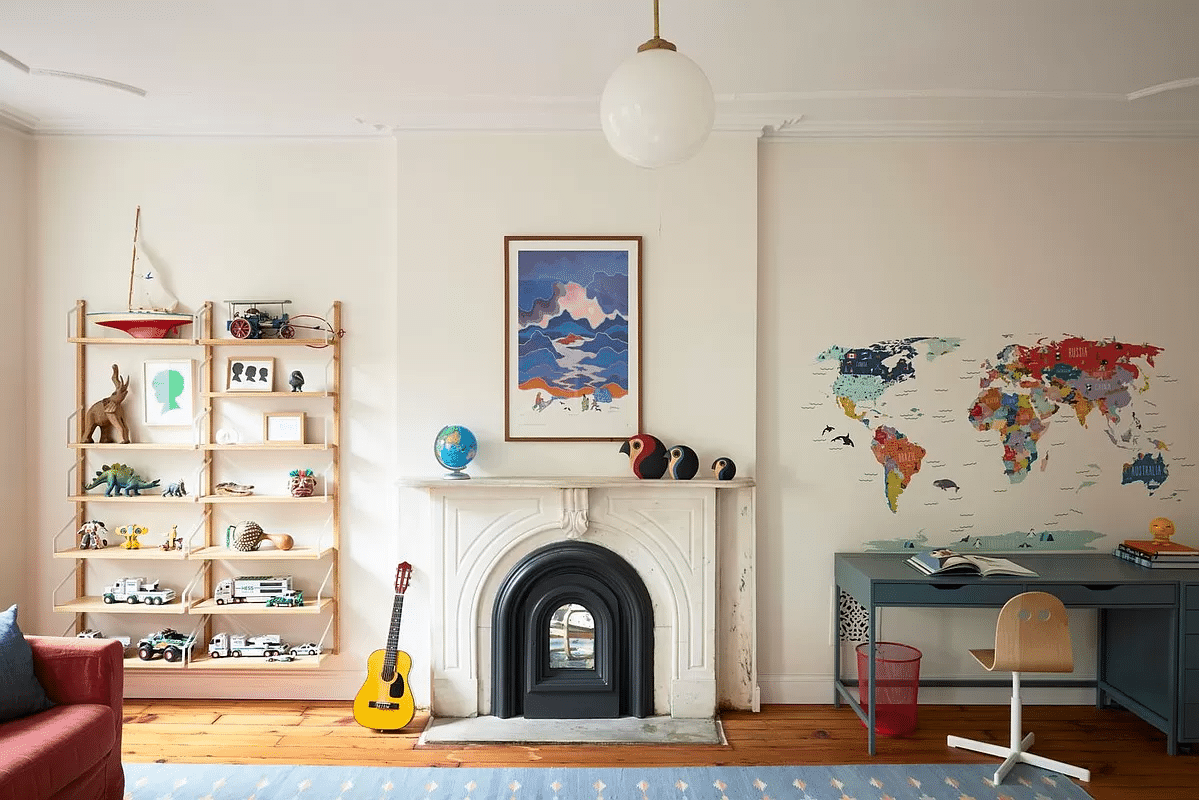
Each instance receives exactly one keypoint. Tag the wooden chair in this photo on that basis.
(1032, 635)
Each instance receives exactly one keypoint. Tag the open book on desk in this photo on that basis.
(947, 562)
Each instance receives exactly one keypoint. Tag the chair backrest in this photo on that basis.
(1033, 635)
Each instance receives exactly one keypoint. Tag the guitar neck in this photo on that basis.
(393, 635)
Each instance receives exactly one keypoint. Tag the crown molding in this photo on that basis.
(14, 120)
(983, 129)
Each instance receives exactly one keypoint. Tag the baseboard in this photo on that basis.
(818, 690)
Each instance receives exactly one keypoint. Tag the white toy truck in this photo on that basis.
(237, 645)
(252, 589)
(137, 590)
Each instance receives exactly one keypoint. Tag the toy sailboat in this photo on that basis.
(151, 313)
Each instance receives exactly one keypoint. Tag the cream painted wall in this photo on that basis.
(856, 241)
(16, 157)
(303, 220)
(862, 241)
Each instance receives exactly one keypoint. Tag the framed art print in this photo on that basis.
(572, 328)
(284, 427)
(168, 392)
(250, 374)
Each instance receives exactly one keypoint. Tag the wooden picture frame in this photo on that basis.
(168, 392)
(244, 374)
(283, 427)
(572, 338)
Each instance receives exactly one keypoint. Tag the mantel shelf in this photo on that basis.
(571, 482)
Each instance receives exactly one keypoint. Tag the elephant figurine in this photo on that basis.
(108, 415)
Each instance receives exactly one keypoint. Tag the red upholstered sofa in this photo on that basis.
(71, 751)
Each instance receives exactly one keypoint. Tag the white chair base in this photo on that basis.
(1017, 751)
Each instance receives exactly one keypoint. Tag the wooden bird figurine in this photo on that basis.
(684, 463)
(647, 455)
(724, 469)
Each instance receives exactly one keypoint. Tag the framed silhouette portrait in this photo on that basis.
(168, 392)
(250, 375)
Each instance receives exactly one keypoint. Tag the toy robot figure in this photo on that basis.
(93, 535)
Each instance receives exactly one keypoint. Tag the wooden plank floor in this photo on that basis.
(1126, 756)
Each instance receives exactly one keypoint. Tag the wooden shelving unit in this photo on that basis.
(209, 551)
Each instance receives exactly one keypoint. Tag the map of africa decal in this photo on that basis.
(964, 426)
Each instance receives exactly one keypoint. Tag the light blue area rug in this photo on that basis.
(866, 782)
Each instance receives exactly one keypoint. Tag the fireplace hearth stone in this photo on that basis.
(624, 730)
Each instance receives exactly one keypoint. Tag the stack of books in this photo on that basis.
(1161, 555)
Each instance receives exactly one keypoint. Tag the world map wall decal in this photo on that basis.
(880, 414)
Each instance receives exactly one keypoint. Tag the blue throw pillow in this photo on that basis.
(20, 692)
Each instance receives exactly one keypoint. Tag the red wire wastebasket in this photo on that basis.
(896, 683)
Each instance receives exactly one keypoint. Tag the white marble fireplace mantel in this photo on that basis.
(692, 543)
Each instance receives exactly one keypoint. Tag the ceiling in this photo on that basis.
(789, 67)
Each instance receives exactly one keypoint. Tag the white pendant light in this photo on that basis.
(657, 108)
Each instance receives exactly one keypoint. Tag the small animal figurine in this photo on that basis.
(107, 415)
(93, 535)
(174, 540)
(684, 463)
(120, 479)
(296, 381)
(724, 469)
(647, 455)
(131, 532)
(176, 489)
(248, 535)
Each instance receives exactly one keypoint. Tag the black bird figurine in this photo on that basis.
(684, 463)
(647, 455)
(724, 469)
(296, 380)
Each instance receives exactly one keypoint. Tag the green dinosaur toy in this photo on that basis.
(120, 478)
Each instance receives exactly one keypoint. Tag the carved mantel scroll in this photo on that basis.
(574, 512)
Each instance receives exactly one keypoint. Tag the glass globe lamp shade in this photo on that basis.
(657, 108)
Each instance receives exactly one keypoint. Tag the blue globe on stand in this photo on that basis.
(454, 448)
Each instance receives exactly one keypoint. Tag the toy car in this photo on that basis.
(306, 649)
(247, 320)
(283, 658)
(288, 599)
(168, 642)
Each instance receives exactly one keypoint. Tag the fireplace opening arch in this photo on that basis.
(527, 680)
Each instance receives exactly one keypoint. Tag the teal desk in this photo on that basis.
(1148, 637)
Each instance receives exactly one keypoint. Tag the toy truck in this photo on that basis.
(137, 590)
(237, 645)
(251, 589)
(168, 643)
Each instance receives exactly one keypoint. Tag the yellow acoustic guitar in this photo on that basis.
(385, 700)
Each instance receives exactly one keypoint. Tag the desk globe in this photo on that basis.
(454, 448)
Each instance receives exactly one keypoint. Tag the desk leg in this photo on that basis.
(1100, 649)
(836, 645)
(870, 685)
